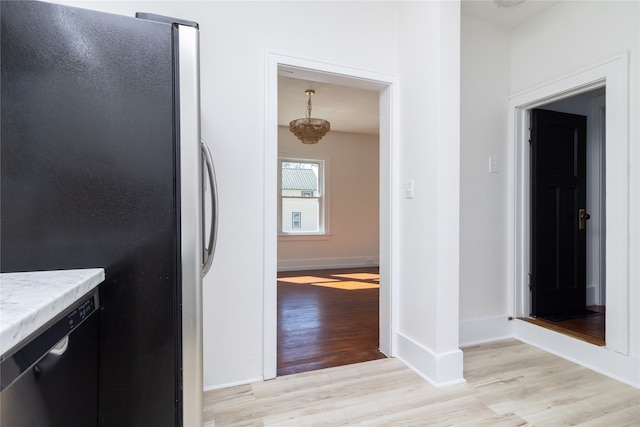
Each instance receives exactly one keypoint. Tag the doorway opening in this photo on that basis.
(568, 172)
(385, 87)
(328, 222)
(613, 291)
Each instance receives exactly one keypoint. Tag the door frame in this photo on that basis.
(387, 86)
(614, 75)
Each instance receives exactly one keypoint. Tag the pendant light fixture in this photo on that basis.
(309, 130)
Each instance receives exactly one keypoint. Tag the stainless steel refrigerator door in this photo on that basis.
(191, 227)
(88, 162)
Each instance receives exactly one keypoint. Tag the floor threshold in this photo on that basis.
(590, 329)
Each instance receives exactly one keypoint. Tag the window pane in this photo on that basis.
(296, 220)
(308, 210)
(300, 179)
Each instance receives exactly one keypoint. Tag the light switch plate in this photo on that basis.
(493, 164)
(408, 190)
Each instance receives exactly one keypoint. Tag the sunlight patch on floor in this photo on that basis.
(358, 276)
(302, 280)
(348, 285)
(357, 281)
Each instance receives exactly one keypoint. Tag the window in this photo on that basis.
(302, 198)
(296, 220)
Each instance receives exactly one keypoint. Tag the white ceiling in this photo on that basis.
(348, 109)
(488, 10)
(356, 109)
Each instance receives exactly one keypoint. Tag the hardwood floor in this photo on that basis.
(327, 318)
(590, 329)
(509, 383)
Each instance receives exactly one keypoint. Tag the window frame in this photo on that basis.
(323, 198)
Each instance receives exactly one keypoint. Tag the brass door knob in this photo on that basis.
(582, 219)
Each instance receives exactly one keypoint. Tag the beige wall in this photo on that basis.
(353, 203)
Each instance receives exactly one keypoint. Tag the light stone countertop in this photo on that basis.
(29, 300)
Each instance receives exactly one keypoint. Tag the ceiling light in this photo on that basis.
(309, 130)
(507, 3)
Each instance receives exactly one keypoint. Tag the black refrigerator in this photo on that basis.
(102, 165)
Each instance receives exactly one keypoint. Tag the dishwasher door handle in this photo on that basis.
(51, 358)
(61, 347)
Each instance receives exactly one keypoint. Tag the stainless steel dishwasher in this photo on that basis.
(51, 379)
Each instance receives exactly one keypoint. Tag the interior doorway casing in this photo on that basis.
(387, 87)
(614, 75)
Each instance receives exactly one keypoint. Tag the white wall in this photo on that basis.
(498, 62)
(570, 37)
(353, 197)
(484, 209)
(427, 322)
(235, 38)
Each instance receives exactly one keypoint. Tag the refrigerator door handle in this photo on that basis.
(210, 247)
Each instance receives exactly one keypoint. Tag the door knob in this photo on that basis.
(582, 219)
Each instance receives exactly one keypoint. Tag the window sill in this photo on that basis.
(300, 237)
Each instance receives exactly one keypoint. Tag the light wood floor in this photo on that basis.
(509, 383)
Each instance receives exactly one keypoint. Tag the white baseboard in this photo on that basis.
(623, 368)
(441, 370)
(325, 263)
(227, 385)
(479, 331)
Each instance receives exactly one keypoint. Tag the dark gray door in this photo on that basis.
(558, 220)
